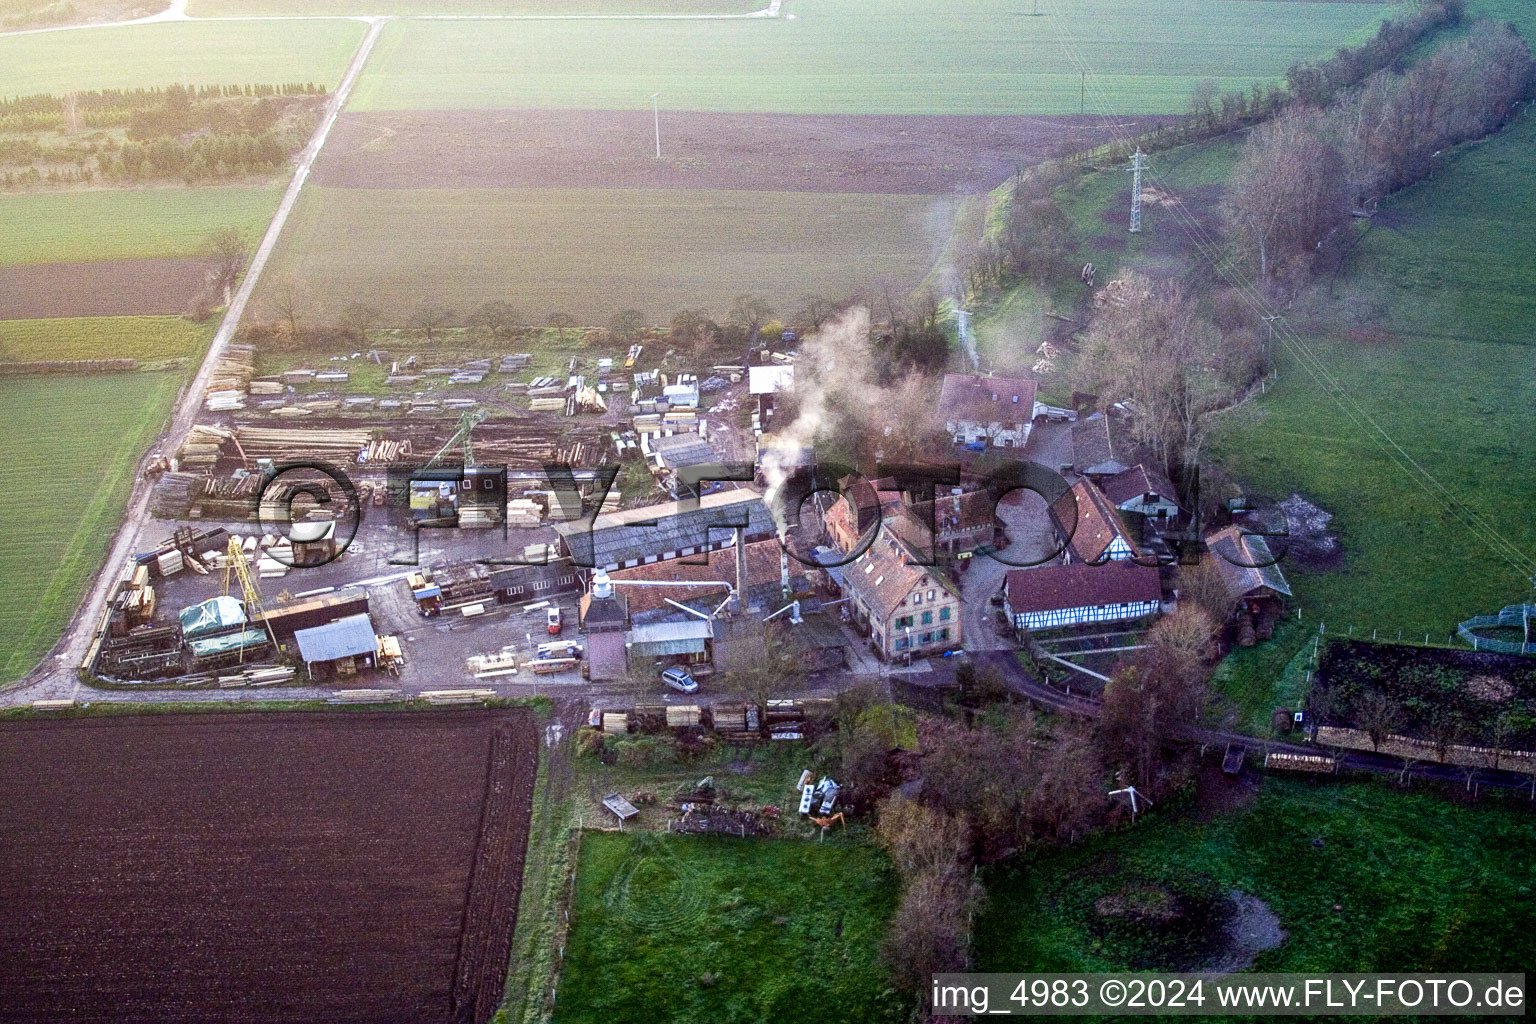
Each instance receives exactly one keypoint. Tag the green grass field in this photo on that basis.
(592, 252)
(102, 337)
(134, 56)
(1453, 389)
(241, 8)
(702, 930)
(1423, 884)
(861, 57)
(66, 227)
(65, 479)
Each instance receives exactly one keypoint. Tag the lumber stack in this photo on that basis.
(290, 444)
(231, 378)
(202, 446)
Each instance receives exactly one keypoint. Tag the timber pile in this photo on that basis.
(336, 446)
(202, 446)
(231, 377)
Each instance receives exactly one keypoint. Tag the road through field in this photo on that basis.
(70, 650)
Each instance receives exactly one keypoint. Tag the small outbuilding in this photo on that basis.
(341, 647)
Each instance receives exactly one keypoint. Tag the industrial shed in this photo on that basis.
(341, 647)
(674, 529)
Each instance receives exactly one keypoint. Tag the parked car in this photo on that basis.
(680, 680)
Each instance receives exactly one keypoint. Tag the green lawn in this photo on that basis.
(192, 53)
(590, 252)
(695, 929)
(65, 479)
(1422, 883)
(861, 57)
(1453, 389)
(102, 337)
(67, 227)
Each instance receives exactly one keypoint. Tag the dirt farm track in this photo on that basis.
(284, 867)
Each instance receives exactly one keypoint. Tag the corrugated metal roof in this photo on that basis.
(677, 629)
(340, 639)
(634, 534)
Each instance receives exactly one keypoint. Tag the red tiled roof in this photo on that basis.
(763, 567)
(968, 398)
(1079, 585)
(1084, 514)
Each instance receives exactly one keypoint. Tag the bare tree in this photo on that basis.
(627, 324)
(1379, 716)
(693, 327)
(1202, 102)
(226, 249)
(1289, 191)
(1203, 585)
(431, 318)
(749, 312)
(359, 318)
(1149, 343)
(500, 318)
(289, 305)
(815, 310)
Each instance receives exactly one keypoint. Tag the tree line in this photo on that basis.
(115, 108)
(197, 135)
(1302, 176)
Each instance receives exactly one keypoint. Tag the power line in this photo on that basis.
(1311, 362)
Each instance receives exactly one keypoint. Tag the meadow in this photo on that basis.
(861, 57)
(703, 929)
(190, 53)
(103, 337)
(1449, 266)
(66, 480)
(115, 224)
(591, 252)
(1363, 876)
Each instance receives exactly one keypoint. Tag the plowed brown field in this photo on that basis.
(768, 152)
(280, 867)
(107, 288)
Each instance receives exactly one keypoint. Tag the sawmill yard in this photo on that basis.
(357, 866)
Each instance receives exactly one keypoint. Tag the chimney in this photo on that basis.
(784, 570)
(739, 604)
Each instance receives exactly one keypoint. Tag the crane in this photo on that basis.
(235, 565)
(467, 423)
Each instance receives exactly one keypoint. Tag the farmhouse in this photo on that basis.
(674, 529)
(1141, 491)
(994, 411)
(952, 525)
(1065, 595)
(1090, 527)
(904, 609)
